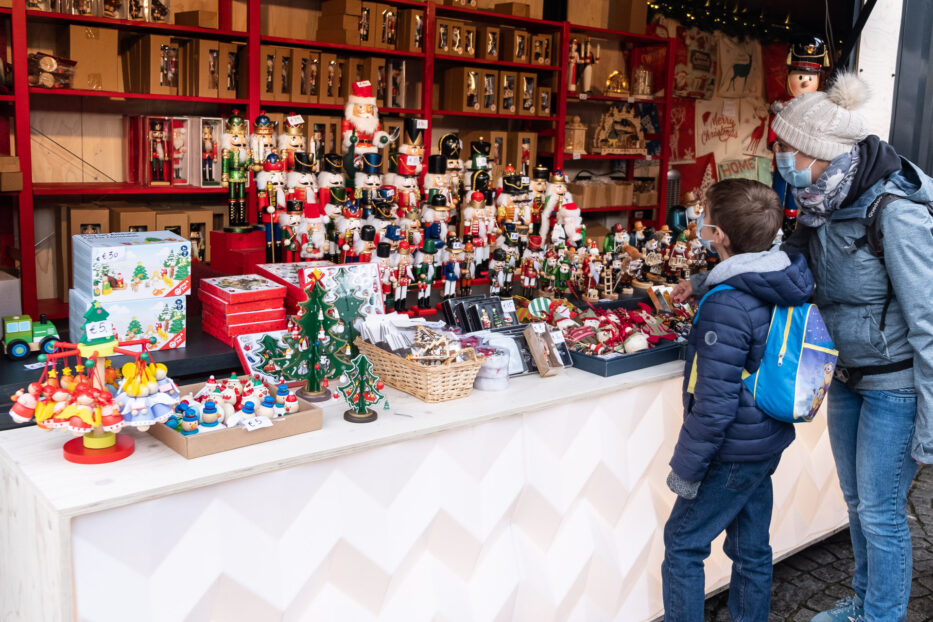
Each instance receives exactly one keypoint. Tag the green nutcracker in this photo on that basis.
(562, 278)
(236, 159)
(425, 273)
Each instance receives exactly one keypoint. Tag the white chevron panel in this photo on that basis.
(553, 515)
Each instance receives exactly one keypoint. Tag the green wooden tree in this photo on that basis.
(96, 328)
(134, 329)
(316, 351)
(348, 306)
(363, 389)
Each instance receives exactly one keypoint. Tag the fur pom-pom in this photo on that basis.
(776, 107)
(849, 91)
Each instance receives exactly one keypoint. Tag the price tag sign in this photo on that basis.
(481, 162)
(648, 157)
(525, 180)
(412, 160)
(538, 327)
(421, 124)
(116, 253)
(557, 335)
(576, 155)
(631, 99)
(584, 97)
(256, 423)
(296, 119)
(99, 330)
(508, 305)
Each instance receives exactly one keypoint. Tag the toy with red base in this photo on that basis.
(86, 405)
(362, 391)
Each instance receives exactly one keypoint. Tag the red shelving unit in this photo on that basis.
(340, 47)
(610, 98)
(134, 26)
(552, 126)
(38, 90)
(601, 156)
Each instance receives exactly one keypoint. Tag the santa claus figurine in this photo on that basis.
(313, 237)
(360, 127)
(292, 140)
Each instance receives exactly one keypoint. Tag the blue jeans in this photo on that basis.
(870, 433)
(735, 497)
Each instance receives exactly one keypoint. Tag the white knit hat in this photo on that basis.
(824, 125)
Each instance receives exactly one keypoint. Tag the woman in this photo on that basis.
(879, 312)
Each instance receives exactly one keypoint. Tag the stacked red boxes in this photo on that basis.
(287, 275)
(241, 304)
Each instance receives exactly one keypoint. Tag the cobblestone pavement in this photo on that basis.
(813, 579)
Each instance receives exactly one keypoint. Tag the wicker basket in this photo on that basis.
(429, 383)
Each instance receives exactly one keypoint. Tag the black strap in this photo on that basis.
(851, 376)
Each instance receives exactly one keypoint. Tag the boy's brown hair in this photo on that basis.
(747, 211)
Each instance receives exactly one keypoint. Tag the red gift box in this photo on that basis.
(242, 288)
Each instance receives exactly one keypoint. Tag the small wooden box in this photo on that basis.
(489, 90)
(518, 9)
(312, 79)
(458, 38)
(374, 70)
(515, 45)
(508, 92)
(316, 133)
(308, 418)
(527, 93)
(207, 63)
(498, 151)
(155, 81)
(488, 42)
(344, 30)
(331, 79)
(469, 40)
(367, 24)
(543, 349)
(523, 151)
(442, 36)
(410, 30)
(283, 74)
(229, 82)
(267, 81)
(386, 34)
(301, 64)
(545, 103)
(135, 219)
(330, 8)
(354, 71)
(201, 19)
(541, 49)
(175, 221)
(462, 89)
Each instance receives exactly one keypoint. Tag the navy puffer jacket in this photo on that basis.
(721, 420)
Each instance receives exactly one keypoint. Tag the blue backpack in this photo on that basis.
(797, 365)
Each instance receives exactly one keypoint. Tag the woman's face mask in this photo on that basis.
(787, 167)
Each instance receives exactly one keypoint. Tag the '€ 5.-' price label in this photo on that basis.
(99, 330)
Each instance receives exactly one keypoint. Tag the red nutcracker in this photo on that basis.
(386, 273)
(403, 276)
(159, 149)
(292, 140)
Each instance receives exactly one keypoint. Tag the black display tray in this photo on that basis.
(603, 366)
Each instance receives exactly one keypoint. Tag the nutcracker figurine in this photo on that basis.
(158, 154)
(616, 242)
(509, 244)
(451, 146)
(236, 160)
(425, 273)
(496, 271)
(511, 209)
(270, 204)
(539, 184)
(411, 150)
(531, 266)
(555, 195)
(467, 269)
(348, 231)
(330, 177)
(302, 184)
(562, 278)
(290, 224)
(313, 236)
(480, 166)
(807, 59)
(292, 140)
(403, 276)
(367, 182)
(434, 219)
(436, 179)
(451, 269)
(386, 278)
(474, 226)
(366, 244)
(384, 210)
(360, 130)
(208, 154)
(262, 141)
(548, 271)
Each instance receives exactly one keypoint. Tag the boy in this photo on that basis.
(728, 449)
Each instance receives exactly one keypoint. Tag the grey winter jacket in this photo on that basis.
(852, 286)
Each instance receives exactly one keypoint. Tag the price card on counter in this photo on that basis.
(255, 423)
(421, 124)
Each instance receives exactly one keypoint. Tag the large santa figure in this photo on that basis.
(360, 127)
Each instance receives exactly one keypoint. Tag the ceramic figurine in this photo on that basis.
(189, 423)
(210, 416)
(236, 160)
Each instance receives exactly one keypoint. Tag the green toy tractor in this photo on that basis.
(21, 336)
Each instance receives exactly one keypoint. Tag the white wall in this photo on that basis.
(877, 62)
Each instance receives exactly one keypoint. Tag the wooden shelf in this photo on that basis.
(469, 60)
(38, 90)
(599, 156)
(492, 115)
(619, 34)
(7, 98)
(297, 106)
(117, 188)
(609, 98)
(133, 25)
(324, 45)
(477, 15)
(618, 208)
(6, 11)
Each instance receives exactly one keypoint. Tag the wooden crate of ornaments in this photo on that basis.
(308, 418)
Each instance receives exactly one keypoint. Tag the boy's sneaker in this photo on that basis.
(849, 609)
